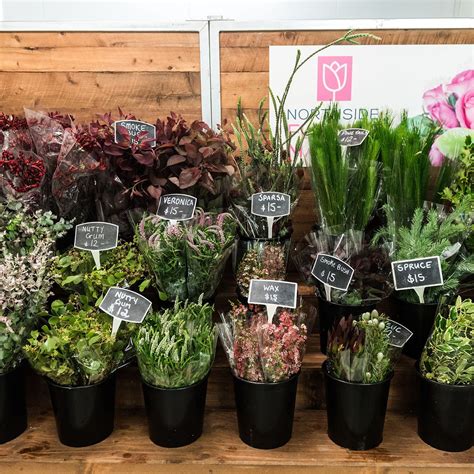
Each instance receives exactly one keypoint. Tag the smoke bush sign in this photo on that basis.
(176, 207)
(352, 136)
(124, 305)
(134, 132)
(417, 274)
(96, 236)
(332, 272)
(273, 293)
(272, 205)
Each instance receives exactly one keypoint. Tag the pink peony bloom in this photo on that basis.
(465, 109)
(436, 157)
(436, 104)
(463, 76)
(461, 83)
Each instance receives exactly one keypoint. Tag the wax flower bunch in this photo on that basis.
(359, 351)
(260, 351)
(187, 259)
(267, 263)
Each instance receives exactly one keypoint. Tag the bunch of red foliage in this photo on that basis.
(14, 133)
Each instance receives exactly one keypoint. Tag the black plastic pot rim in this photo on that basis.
(359, 384)
(79, 387)
(273, 384)
(177, 389)
(441, 384)
(18, 367)
(375, 303)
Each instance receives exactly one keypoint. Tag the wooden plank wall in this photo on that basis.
(245, 74)
(149, 74)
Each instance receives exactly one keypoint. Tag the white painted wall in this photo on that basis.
(180, 10)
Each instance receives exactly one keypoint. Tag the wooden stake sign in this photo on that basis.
(134, 132)
(176, 207)
(272, 294)
(417, 274)
(271, 205)
(124, 305)
(95, 237)
(332, 272)
(352, 136)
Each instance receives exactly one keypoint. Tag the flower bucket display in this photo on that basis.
(265, 359)
(175, 352)
(357, 376)
(446, 380)
(13, 414)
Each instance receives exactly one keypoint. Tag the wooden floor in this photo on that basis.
(220, 450)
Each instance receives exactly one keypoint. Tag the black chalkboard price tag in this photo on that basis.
(272, 294)
(397, 333)
(352, 136)
(417, 274)
(332, 272)
(134, 132)
(176, 207)
(271, 205)
(96, 236)
(124, 305)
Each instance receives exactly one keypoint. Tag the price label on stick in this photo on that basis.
(124, 305)
(176, 207)
(96, 236)
(417, 274)
(271, 205)
(134, 132)
(332, 272)
(397, 333)
(272, 294)
(352, 136)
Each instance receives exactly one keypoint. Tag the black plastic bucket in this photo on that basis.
(355, 411)
(175, 415)
(330, 314)
(445, 415)
(84, 415)
(419, 319)
(13, 418)
(265, 411)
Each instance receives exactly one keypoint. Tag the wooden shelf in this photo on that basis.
(220, 450)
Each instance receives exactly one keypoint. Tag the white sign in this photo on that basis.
(364, 79)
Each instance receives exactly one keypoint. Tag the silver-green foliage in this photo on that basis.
(176, 347)
(448, 356)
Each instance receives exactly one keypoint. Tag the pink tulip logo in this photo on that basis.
(334, 78)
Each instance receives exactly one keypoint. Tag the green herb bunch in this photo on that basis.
(22, 229)
(122, 266)
(76, 347)
(266, 155)
(404, 150)
(346, 180)
(176, 347)
(448, 356)
(359, 351)
(433, 235)
(187, 259)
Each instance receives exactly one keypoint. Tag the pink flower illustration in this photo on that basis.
(334, 78)
(465, 109)
(436, 157)
(436, 104)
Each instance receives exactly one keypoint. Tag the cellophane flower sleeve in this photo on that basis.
(260, 351)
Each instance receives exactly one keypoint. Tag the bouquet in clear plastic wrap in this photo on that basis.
(260, 351)
(14, 133)
(371, 279)
(189, 258)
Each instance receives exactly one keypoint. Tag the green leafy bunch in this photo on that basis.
(265, 162)
(448, 356)
(176, 347)
(21, 229)
(431, 235)
(359, 351)
(404, 150)
(346, 180)
(76, 347)
(187, 259)
(122, 266)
